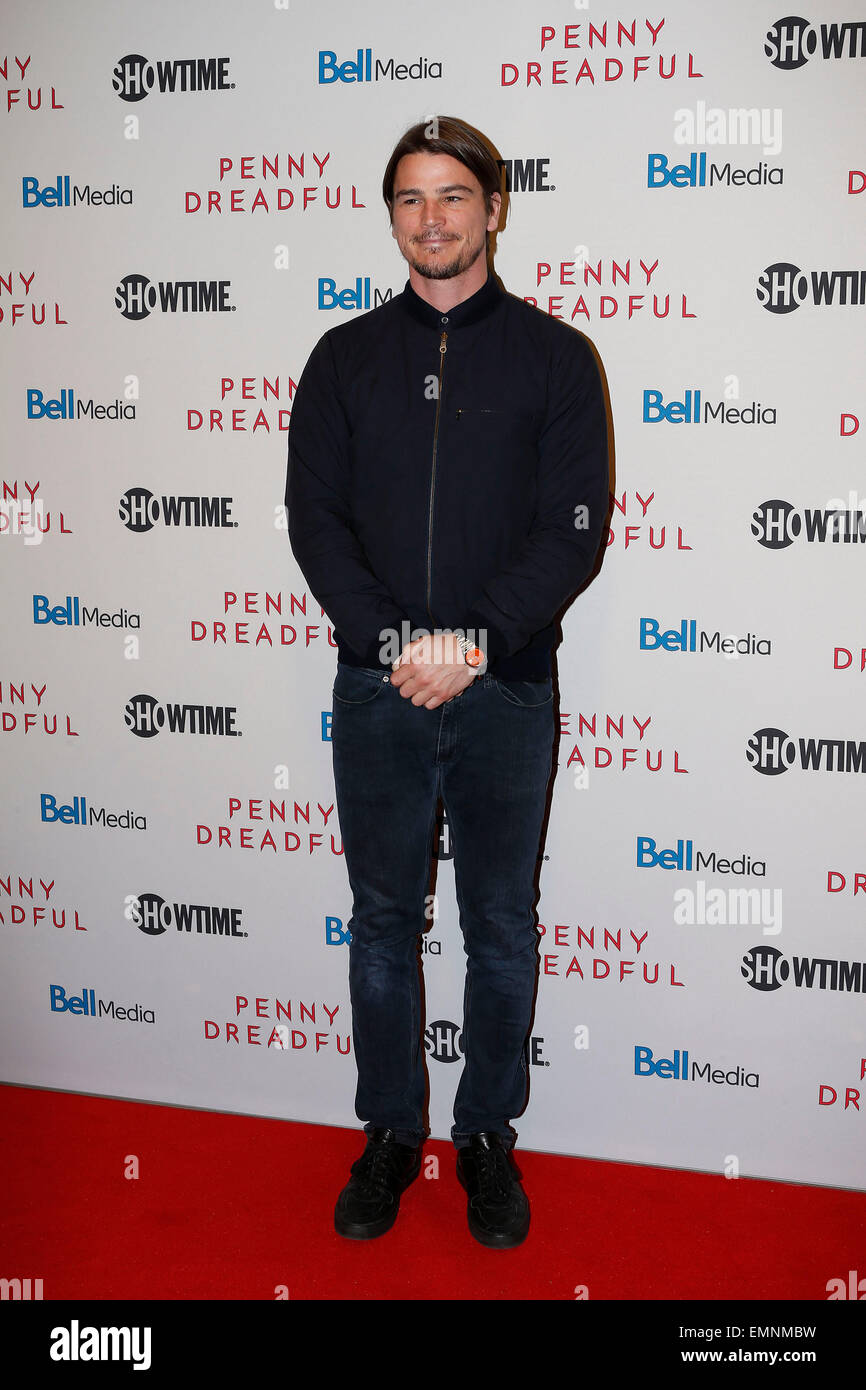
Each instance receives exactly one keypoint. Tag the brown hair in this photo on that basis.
(447, 135)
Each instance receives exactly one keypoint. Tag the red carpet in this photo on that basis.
(233, 1207)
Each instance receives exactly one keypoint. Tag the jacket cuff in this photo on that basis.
(390, 640)
(479, 629)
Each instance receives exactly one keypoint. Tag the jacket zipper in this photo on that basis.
(442, 347)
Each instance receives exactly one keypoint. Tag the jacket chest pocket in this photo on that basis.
(497, 424)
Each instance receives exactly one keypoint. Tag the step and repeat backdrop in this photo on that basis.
(191, 198)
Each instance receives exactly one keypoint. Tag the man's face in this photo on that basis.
(439, 220)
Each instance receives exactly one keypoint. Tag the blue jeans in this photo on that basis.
(488, 754)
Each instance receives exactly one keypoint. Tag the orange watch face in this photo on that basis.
(474, 656)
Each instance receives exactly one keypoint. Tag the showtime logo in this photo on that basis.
(136, 297)
(135, 77)
(154, 916)
(783, 287)
(443, 1042)
(771, 751)
(526, 175)
(146, 717)
(765, 969)
(776, 524)
(792, 41)
(140, 511)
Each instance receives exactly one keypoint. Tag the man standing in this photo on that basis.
(447, 487)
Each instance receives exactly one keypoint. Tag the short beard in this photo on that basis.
(462, 262)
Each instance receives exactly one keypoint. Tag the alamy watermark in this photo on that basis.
(722, 907)
(713, 125)
(394, 642)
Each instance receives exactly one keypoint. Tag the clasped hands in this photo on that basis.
(432, 670)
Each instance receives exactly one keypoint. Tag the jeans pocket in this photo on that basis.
(526, 694)
(357, 685)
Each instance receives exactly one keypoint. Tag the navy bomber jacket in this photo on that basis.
(439, 467)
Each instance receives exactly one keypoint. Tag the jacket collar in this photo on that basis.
(470, 310)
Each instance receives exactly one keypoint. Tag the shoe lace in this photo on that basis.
(495, 1179)
(379, 1166)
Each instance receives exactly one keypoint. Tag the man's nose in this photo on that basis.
(431, 214)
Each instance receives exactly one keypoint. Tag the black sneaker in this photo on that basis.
(498, 1208)
(369, 1203)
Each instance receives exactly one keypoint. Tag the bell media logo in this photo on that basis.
(677, 1068)
(687, 638)
(690, 410)
(362, 295)
(135, 77)
(87, 1005)
(64, 194)
(73, 613)
(76, 812)
(662, 173)
(364, 68)
(65, 406)
(792, 41)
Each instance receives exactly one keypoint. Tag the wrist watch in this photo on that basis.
(473, 656)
